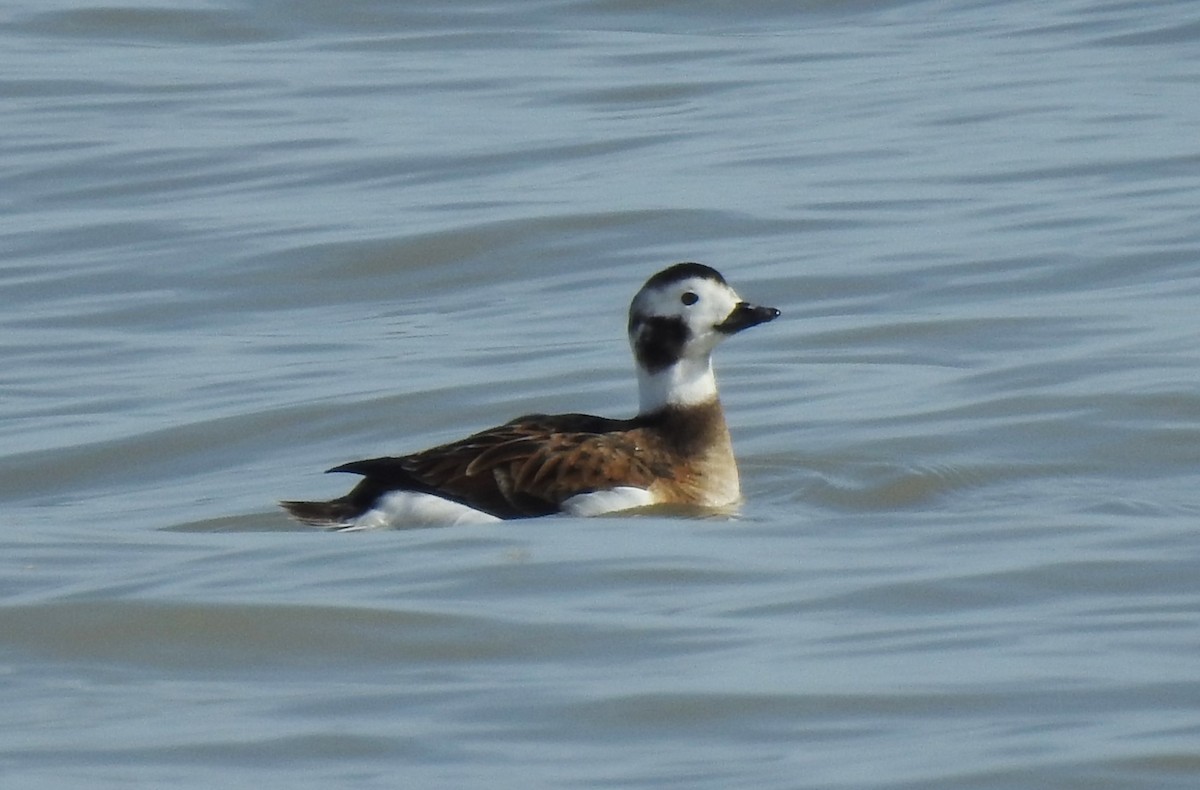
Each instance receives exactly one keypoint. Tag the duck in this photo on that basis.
(676, 451)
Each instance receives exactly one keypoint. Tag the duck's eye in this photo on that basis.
(689, 298)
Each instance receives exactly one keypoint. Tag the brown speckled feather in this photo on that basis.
(526, 467)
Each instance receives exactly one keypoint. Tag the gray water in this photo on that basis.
(245, 242)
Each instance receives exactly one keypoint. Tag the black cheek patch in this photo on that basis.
(660, 342)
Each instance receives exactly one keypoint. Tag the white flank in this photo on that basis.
(414, 509)
(596, 503)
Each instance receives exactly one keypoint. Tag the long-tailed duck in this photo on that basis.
(676, 451)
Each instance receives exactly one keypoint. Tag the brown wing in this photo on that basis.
(526, 467)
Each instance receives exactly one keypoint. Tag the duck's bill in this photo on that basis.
(746, 315)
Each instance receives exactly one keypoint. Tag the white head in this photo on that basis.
(675, 321)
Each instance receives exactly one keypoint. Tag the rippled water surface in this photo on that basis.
(244, 242)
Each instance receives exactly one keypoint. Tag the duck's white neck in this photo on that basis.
(686, 383)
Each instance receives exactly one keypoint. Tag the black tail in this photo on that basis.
(337, 513)
(342, 512)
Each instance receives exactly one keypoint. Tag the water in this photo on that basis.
(244, 242)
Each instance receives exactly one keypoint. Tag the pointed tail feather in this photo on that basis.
(321, 514)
